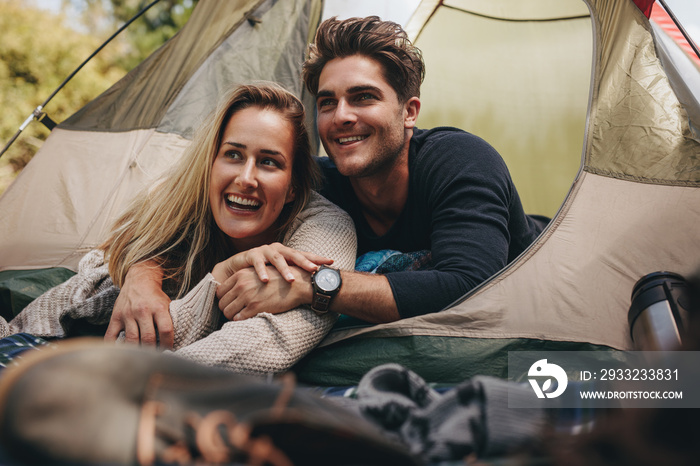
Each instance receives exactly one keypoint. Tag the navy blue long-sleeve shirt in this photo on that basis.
(462, 206)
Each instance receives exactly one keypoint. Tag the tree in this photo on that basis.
(34, 60)
(39, 49)
(142, 37)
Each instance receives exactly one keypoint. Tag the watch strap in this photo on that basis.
(321, 302)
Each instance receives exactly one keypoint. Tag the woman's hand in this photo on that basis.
(275, 254)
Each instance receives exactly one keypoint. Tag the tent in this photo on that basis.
(633, 207)
(582, 92)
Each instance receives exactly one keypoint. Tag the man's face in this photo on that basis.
(363, 126)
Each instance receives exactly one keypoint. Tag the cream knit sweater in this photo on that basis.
(267, 343)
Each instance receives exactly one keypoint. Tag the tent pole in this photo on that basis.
(680, 27)
(37, 113)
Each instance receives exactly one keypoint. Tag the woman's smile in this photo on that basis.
(251, 178)
(242, 203)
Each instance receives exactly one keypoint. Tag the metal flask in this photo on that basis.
(658, 315)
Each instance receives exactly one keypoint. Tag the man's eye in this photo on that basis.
(325, 103)
(366, 96)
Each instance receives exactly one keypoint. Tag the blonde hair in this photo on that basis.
(172, 224)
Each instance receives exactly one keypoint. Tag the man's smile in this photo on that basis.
(350, 139)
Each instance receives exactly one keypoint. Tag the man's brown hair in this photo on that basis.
(384, 41)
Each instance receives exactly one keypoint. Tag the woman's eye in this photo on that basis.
(232, 154)
(270, 163)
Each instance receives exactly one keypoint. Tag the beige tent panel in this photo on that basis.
(78, 202)
(575, 283)
(519, 10)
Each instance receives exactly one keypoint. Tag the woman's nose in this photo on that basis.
(247, 176)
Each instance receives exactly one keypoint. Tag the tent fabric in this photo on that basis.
(444, 360)
(520, 79)
(564, 303)
(641, 131)
(276, 57)
(645, 6)
(142, 97)
(178, 85)
(517, 10)
(65, 200)
(681, 65)
(20, 287)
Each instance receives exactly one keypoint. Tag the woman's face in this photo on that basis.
(251, 179)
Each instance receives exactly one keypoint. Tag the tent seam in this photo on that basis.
(640, 179)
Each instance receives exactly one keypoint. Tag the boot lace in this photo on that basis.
(219, 437)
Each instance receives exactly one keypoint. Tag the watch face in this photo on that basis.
(327, 279)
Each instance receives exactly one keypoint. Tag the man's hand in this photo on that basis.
(364, 296)
(244, 295)
(142, 308)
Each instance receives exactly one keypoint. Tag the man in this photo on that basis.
(441, 191)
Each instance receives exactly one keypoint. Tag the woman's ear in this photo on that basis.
(291, 195)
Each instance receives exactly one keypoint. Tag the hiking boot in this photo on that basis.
(86, 402)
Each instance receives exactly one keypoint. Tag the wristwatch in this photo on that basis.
(326, 284)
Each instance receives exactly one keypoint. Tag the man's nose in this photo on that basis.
(344, 113)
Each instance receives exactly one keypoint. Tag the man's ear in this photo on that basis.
(411, 111)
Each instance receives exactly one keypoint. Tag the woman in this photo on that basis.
(243, 184)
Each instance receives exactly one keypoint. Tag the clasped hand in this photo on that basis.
(142, 308)
(252, 286)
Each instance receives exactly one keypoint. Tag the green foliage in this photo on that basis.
(37, 52)
(39, 49)
(149, 32)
